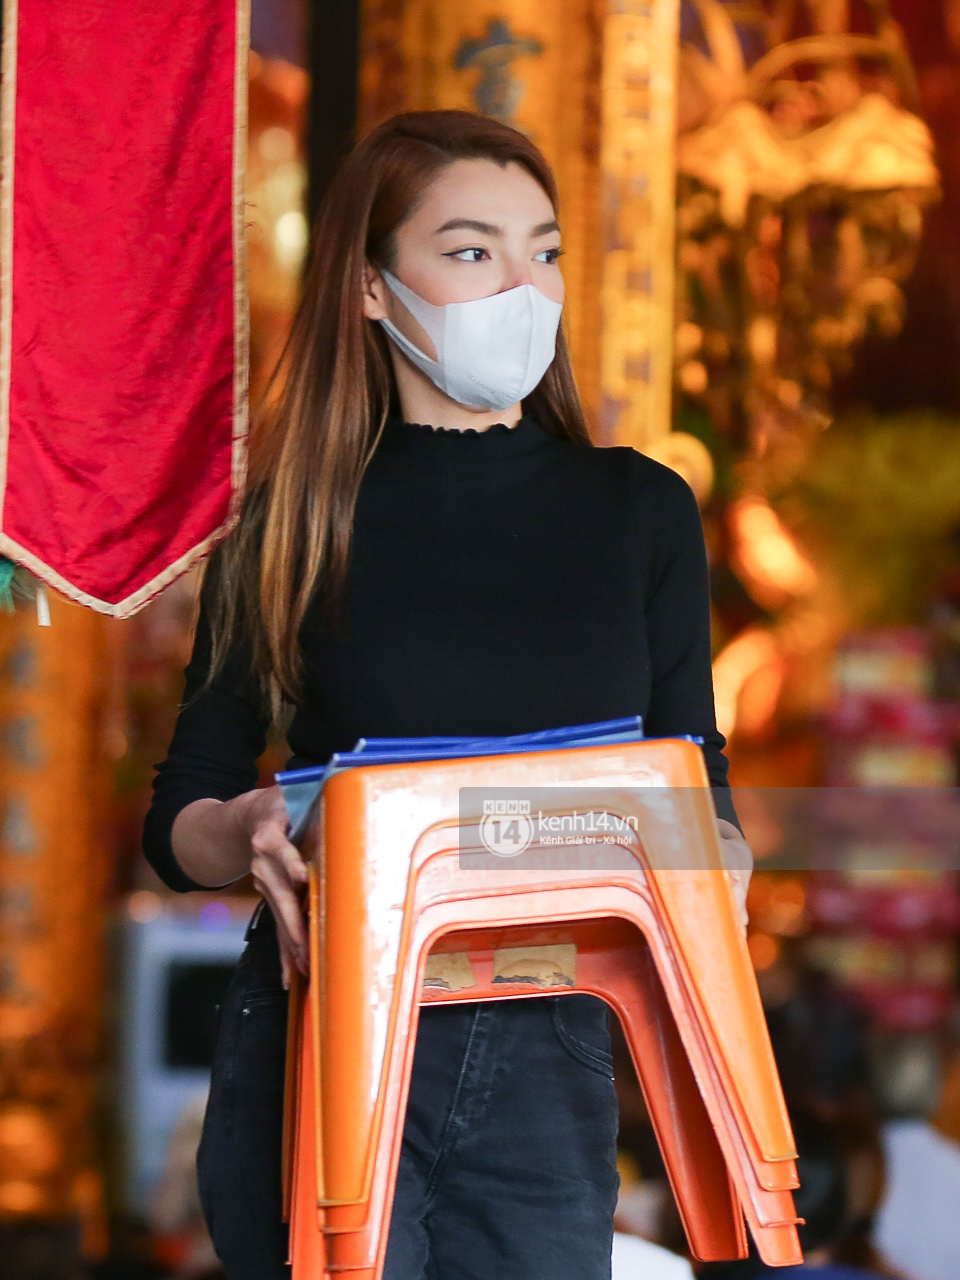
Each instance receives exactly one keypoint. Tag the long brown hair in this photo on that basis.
(337, 389)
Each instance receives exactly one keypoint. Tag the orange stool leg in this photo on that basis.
(307, 1246)
(695, 1164)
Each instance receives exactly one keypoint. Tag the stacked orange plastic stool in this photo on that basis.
(408, 907)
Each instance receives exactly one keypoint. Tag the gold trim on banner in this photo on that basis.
(241, 300)
(241, 345)
(8, 116)
(130, 604)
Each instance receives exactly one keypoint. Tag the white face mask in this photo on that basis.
(491, 352)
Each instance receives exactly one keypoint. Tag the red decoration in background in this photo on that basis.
(885, 917)
(909, 911)
(123, 348)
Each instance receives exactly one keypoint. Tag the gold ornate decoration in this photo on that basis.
(689, 457)
(799, 210)
(592, 82)
(638, 77)
(54, 866)
(276, 225)
(499, 89)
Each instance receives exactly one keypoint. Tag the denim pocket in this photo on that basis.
(264, 975)
(258, 1093)
(582, 1025)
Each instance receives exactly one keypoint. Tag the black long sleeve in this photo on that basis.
(678, 637)
(500, 581)
(219, 736)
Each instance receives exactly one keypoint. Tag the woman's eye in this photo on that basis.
(458, 253)
(551, 255)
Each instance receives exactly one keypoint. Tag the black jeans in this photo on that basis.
(507, 1170)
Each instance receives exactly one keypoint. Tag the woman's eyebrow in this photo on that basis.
(470, 224)
(488, 228)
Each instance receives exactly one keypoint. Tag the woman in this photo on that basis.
(430, 546)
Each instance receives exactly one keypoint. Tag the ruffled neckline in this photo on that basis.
(468, 443)
(497, 427)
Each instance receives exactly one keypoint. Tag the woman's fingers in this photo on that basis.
(293, 950)
(738, 860)
(736, 852)
(270, 840)
(294, 863)
(280, 875)
(272, 878)
(740, 882)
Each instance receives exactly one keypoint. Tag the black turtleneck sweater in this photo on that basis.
(500, 581)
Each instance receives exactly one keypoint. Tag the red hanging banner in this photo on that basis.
(123, 324)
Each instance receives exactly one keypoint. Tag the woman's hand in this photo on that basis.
(217, 842)
(738, 859)
(279, 873)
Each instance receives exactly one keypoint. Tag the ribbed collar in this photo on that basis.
(469, 444)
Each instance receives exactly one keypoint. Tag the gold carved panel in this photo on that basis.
(54, 864)
(592, 82)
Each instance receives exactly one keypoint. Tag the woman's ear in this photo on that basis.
(374, 293)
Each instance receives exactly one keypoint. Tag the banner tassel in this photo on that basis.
(7, 570)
